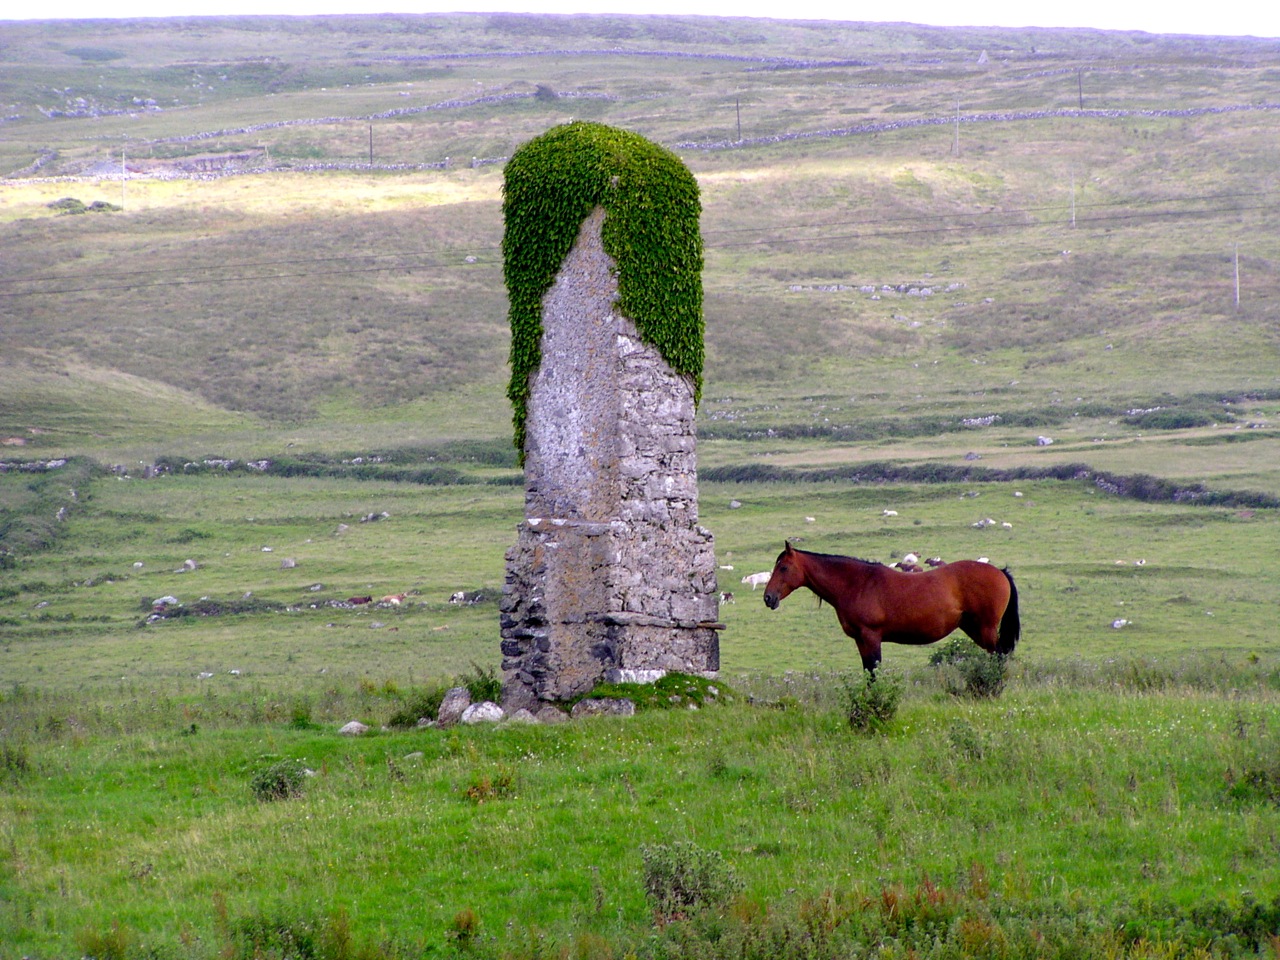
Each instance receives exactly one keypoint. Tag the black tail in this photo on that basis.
(1010, 624)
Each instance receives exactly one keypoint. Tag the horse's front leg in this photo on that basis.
(869, 649)
(867, 639)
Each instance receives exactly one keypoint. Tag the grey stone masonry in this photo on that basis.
(611, 577)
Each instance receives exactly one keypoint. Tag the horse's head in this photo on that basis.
(788, 573)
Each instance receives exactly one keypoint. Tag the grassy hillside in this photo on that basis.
(1033, 248)
(952, 276)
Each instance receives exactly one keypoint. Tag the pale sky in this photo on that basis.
(1258, 18)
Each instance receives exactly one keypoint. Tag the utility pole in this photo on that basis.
(1237, 259)
(1080, 87)
(737, 106)
(371, 144)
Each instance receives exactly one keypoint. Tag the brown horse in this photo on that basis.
(877, 604)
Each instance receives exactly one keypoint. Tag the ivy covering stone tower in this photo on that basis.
(611, 577)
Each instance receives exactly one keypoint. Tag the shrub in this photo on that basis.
(291, 933)
(1162, 419)
(300, 717)
(114, 944)
(1254, 774)
(15, 761)
(682, 878)
(984, 675)
(870, 704)
(281, 780)
(1261, 781)
(483, 684)
(67, 205)
(965, 740)
(969, 671)
(94, 54)
(278, 935)
(417, 705)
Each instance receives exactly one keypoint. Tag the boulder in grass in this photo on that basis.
(455, 702)
(550, 714)
(485, 712)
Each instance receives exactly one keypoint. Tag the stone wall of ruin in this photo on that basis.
(611, 577)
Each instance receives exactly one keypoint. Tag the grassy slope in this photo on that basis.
(292, 313)
(277, 296)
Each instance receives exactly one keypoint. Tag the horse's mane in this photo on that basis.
(839, 556)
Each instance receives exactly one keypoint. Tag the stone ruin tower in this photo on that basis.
(611, 577)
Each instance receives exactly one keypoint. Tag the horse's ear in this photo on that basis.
(787, 548)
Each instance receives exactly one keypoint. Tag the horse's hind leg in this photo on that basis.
(984, 634)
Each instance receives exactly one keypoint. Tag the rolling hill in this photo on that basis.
(899, 221)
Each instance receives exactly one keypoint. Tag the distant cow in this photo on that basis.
(357, 601)
(758, 579)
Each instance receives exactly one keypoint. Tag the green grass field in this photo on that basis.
(884, 308)
(73, 614)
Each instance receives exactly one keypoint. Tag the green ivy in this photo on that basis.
(652, 206)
